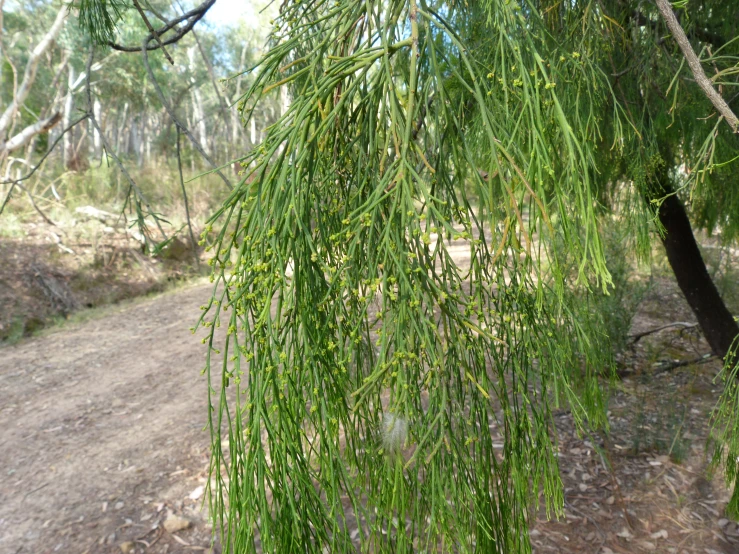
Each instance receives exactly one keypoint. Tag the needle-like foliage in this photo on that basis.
(99, 18)
(368, 378)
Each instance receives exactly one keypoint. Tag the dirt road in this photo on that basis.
(101, 433)
(102, 444)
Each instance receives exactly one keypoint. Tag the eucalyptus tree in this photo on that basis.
(370, 390)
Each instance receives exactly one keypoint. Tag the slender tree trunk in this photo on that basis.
(713, 316)
(236, 126)
(96, 143)
(68, 139)
(197, 105)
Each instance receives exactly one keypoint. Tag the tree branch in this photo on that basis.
(193, 244)
(24, 137)
(15, 182)
(192, 17)
(171, 113)
(31, 66)
(152, 31)
(109, 151)
(695, 65)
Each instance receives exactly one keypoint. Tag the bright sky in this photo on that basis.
(225, 12)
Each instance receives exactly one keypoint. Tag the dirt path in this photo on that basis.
(102, 442)
(102, 432)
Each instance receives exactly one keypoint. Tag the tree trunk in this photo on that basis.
(68, 140)
(197, 105)
(713, 316)
(96, 142)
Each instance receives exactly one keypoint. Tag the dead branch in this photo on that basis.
(683, 324)
(682, 363)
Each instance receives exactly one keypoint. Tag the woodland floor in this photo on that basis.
(102, 441)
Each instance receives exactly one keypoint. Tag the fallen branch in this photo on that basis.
(683, 324)
(682, 363)
(695, 65)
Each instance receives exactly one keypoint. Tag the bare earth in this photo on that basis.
(101, 427)
(102, 443)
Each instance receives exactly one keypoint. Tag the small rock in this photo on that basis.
(610, 500)
(175, 523)
(648, 546)
(127, 547)
(723, 522)
(118, 505)
(197, 493)
(661, 534)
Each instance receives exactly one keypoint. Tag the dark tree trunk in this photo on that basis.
(714, 318)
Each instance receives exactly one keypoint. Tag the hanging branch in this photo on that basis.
(171, 113)
(695, 65)
(16, 182)
(139, 195)
(152, 31)
(187, 207)
(192, 17)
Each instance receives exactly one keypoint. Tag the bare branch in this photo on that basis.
(109, 151)
(695, 65)
(682, 324)
(171, 113)
(24, 137)
(31, 66)
(15, 182)
(152, 31)
(192, 17)
(193, 244)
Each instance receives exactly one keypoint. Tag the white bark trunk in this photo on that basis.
(68, 140)
(197, 105)
(30, 73)
(236, 126)
(96, 139)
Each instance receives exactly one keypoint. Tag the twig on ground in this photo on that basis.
(674, 365)
(684, 324)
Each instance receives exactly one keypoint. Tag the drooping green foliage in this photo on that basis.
(347, 312)
(100, 17)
